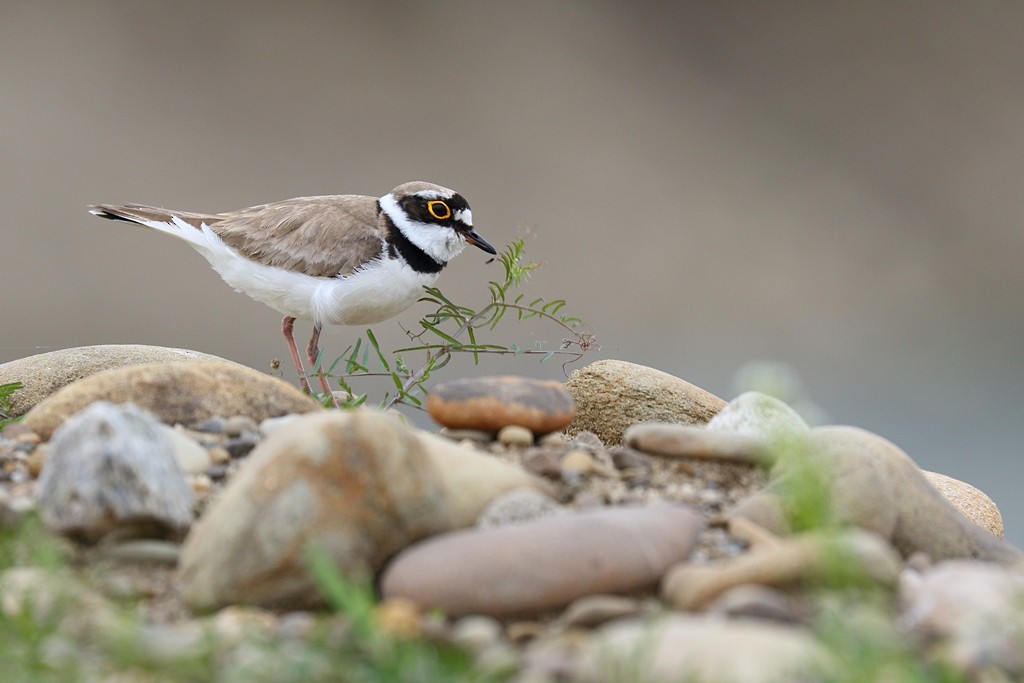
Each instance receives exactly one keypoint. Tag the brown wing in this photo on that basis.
(320, 236)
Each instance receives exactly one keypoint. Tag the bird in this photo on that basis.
(331, 259)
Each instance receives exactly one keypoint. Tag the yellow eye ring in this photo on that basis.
(439, 210)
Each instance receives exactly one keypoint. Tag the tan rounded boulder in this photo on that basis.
(45, 373)
(491, 403)
(611, 395)
(972, 502)
(180, 392)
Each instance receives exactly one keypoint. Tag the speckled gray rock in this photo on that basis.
(112, 472)
(45, 373)
(611, 395)
(179, 392)
(529, 568)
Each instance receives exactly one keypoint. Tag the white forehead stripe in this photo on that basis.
(465, 216)
(434, 194)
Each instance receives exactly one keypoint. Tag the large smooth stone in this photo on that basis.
(180, 392)
(356, 487)
(530, 568)
(112, 472)
(611, 395)
(45, 373)
(869, 482)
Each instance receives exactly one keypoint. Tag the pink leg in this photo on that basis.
(286, 328)
(313, 354)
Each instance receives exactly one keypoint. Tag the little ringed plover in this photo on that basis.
(338, 259)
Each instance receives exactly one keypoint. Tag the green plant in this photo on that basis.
(371, 653)
(453, 328)
(6, 392)
(864, 645)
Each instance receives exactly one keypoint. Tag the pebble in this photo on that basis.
(543, 462)
(490, 403)
(473, 436)
(611, 395)
(530, 568)
(515, 436)
(36, 460)
(758, 602)
(146, 551)
(241, 446)
(476, 632)
(687, 441)
(359, 485)
(520, 632)
(297, 625)
(398, 617)
(112, 472)
(216, 472)
(594, 610)
(219, 455)
(238, 425)
(577, 462)
(517, 506)
(190, 456)
(552, 440)
(210, 425)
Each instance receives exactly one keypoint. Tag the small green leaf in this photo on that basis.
(376, 348)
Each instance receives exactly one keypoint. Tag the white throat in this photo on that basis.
(439, 242)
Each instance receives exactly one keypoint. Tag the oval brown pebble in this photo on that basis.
(490, 403)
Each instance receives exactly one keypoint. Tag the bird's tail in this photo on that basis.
(182, 224)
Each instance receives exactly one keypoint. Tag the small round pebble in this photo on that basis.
(398, 617)
(578, 462)
(238, 425)
(476, 632)
(219, 455)
(515, 436)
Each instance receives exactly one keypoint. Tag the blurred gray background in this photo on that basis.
(836, 186)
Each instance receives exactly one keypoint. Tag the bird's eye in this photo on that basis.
(439, 210)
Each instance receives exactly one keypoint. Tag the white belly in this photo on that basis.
(380, 291)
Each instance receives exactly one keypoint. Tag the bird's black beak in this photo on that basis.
(477, 241)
